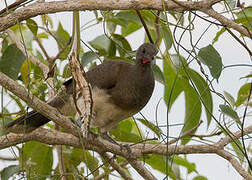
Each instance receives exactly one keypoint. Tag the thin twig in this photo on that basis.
(187, 133)
(157, 28)
(101, 176)
(141, 169)
(145, 26)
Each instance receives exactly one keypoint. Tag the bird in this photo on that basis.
(119, 88)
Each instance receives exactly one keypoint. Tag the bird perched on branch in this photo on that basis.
(119, 90)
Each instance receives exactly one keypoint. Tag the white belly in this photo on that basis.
(106, 114)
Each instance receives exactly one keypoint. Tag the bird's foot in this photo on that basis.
(127, 147)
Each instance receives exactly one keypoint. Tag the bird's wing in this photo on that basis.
(107, 75)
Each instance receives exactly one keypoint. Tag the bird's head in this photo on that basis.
(146, 53)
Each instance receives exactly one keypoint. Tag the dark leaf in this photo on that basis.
(9, 171)
(210, 57)
(229, 98)
(173, 85)
(32, 25)
(167, 36)
(88, 57)
(122, 44)
(192, 111)
(11, 61)
(227, 110)
(102, 44)
(62, 38)
(204, 92)
(158, 74)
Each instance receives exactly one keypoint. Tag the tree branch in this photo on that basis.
(39, 8)
(38, 105)
(115, 166)
(97, 144)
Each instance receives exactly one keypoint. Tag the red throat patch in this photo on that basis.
(145, 61)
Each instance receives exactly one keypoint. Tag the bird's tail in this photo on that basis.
(27, 123)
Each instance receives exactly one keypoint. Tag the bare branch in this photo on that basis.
(238, 167)
(187, 133)
(227, 22)
(116, 166)
(101, 176)
(141, 169)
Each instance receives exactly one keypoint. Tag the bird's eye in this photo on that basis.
(143, 50)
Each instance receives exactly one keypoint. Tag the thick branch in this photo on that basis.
(39, 8)
(97, 144)
(238, 167)
(38, 105)
(227, 22)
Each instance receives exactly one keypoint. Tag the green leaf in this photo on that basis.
(130, 28)
(192, 110)
(37, 159)
(173, 85)
(159, 163)
(204, 92)
(243, 94)
(88, 57)
(5, 44)
(227, 110)
(191, 167)
(231, 4)
(102, 44)
(229, 98)
(11, 61)
(123, 44)
(32, 25)
(46, 20)
(9, 171)
(42, 35)
(151, 126)
(199, 178)
(210, 57)
(25, 72)
(218, 34)
(125, 132)
(248, 76)
(237, 147)
(245, 17)
(167, 36)
(158, 74)
(78, 156)
(62, 38)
